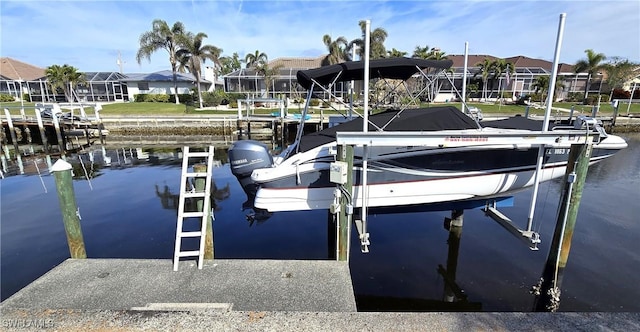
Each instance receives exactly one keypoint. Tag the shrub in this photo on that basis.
(574, 96)
(507, 94)
(590, 100)
(5, 98)
(233, 103)
(621, 94)
(314, 102)
(184, 98)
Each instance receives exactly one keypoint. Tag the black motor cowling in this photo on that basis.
(244, 157)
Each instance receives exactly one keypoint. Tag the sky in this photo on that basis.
(89, 35)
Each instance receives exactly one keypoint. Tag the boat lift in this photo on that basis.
(585, 130)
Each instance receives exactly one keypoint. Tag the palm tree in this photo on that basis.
(486, 68)
(592, 64)
(337, 50)
(376, 42)
(395, 53)
(229, 64)
(164, 37)
(421, 52)
(64, 77)
(436, 54)
(501, 66)
(255, 60)
(541, 84)
(193, 54)
(269, 74)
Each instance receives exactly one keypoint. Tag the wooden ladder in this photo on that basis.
(185, 193)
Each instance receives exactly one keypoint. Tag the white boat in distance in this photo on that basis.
(462, 160)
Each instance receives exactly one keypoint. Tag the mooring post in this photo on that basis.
(199, 184)
(56, 125)
(43, 134)
(70, 213)
(526, 111)
(548, 290)
(345, 153)
(12, 131)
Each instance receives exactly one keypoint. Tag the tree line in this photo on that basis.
(187, 52)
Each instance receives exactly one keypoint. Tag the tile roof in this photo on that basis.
(472, 60)
(297, 63)
(14, 70)
(161, 76)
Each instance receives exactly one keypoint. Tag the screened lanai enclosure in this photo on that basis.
(99, 86)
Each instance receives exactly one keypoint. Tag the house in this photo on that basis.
(161, 83)
(15, 75)
(247, 80)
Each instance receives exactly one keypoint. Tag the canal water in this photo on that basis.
(127, 196)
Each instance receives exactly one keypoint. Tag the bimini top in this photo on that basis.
(421, 119)
(392, 68)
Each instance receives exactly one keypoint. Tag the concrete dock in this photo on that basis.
(241, 295)
(135, 284)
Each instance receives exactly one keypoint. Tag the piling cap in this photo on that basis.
(60, 165)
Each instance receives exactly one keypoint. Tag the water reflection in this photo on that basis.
(170, 200)
(454, 297)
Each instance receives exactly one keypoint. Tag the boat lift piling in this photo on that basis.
(345, 207)
(548, 289)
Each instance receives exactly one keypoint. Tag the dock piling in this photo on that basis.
(548, 290)
(12, 131)
(199, 184)
(70, 212)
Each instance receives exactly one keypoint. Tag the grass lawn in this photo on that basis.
(168, 109)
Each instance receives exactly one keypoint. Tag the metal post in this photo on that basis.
(616, 103)
(464, 78)
(70, 212)
(548, 290)
(199, 184)
(526, 111)
(631, 97)
(573, 107)
(345, 153)
(545, 124)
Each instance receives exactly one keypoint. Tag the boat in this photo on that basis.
(423, 156)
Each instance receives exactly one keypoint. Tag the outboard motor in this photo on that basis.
(244, 157)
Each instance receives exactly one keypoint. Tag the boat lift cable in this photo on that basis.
(86, 175)
(35, 163)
